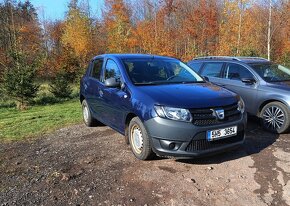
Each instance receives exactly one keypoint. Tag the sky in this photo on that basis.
(55, 9)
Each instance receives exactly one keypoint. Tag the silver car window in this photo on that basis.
(236, 72)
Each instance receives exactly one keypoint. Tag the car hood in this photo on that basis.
(280, 85)
(196, 95)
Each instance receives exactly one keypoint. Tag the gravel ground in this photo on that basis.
(93, 166)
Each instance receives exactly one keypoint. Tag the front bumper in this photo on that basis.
(182, 139)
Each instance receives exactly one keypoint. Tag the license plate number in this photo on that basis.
(221, 133)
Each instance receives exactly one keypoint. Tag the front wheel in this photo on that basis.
(139, 140)
(275, 117)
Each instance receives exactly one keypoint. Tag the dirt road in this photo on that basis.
(93, 166)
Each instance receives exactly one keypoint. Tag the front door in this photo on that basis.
(114, 99)
(232, 80)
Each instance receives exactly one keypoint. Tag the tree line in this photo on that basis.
(33, 48)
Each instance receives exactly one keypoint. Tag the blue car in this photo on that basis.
(161, 106)
(263, 85)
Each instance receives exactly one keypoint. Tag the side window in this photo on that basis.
(236, 72)
(97, 67)
(195, 66)
(212, 69)
(112, 70)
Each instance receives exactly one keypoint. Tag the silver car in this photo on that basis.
(263, 85)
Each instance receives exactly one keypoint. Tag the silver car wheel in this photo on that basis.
(86, 113)
(273, 117)
(136, 138)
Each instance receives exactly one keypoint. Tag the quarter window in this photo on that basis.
(112, 70)
(212, 69)
(236, 72)
(97, 67)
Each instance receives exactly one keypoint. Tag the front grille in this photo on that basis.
(204, 117)
(203, 144)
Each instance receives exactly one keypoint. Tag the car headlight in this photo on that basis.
(241, 106)
(172, 113)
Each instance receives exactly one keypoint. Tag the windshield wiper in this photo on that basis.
(145, 83)
(162, 83)
(153, 83)
(192, 82)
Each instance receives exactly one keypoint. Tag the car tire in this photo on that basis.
(275, 117)
(87, 116)
(139, 140)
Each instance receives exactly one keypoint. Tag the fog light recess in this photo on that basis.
(170, 145)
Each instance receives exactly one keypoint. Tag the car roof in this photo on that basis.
(247, 60)
(133, 56)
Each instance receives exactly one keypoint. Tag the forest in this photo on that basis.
(34, 50)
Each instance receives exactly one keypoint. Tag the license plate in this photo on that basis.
(221, 133)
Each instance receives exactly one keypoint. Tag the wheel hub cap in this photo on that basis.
(274, 117)
(86, 113)
(137, 139)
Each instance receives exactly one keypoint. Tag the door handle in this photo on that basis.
(85, 86)
(101, 92)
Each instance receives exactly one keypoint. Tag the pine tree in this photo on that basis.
(60, 85)
(19, 80)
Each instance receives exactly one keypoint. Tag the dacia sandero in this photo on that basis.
(161, 106)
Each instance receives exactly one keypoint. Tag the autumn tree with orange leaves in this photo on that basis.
(181, 28)
(118, 27)
(76, 32)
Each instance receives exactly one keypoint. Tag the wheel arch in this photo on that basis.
(128, 118)
(267, 102)
(82, 97)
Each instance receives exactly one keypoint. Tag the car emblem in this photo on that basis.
(219, 113)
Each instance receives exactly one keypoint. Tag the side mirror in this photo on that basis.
(112, 82)
(206, 78)
(249, 80)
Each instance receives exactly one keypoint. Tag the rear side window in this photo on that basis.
(97, 67)
(212, 69)
(195, 66)
(236, 72)
(112, 70)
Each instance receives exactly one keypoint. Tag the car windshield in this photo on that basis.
(272, 72)
(156, 71)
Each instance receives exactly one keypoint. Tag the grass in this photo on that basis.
(37, 120)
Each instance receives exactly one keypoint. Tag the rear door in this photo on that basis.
(232, 80)
(93, 88)
(213, 70)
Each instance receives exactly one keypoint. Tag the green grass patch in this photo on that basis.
(16, 125)
(43, 97)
